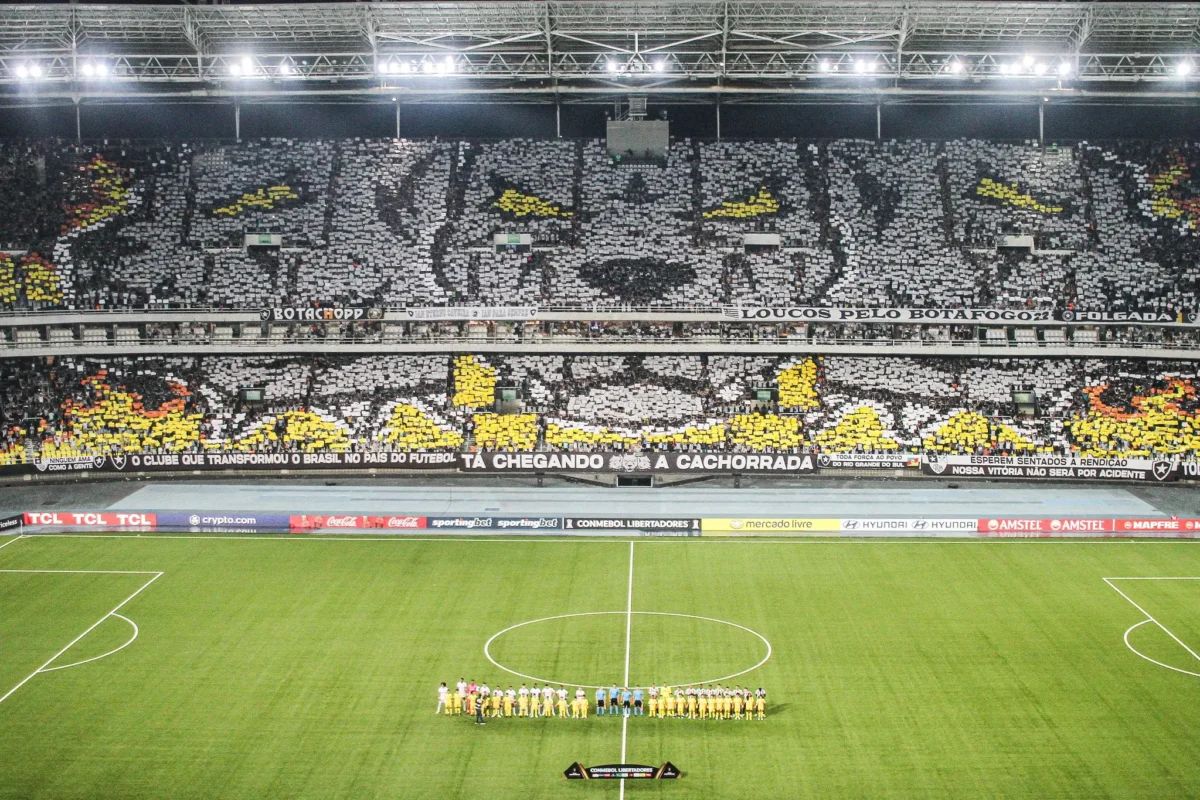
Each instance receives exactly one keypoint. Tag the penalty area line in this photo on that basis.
(15, 539)
(92, 627)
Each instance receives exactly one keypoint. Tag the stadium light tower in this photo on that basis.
(1183, 69)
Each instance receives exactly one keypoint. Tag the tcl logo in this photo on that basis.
(91, 519)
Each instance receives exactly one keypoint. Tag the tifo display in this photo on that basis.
(1110, 227)
(588, 412)
(534, 702)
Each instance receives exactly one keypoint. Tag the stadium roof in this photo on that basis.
(587, 49)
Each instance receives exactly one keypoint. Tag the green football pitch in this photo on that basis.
(305, 667)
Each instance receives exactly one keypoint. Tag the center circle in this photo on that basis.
(487, 647)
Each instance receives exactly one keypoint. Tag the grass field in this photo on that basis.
(287, 668)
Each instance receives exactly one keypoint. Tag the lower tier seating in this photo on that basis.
(58, 407)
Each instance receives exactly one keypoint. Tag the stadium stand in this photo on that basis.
(93, 406)
(1093, 226)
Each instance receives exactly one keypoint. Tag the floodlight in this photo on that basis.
(956, 66)
(1183, 69)
(89, 69)
(1039, 68)
(35, 69)
(613, 66)
(823, 66)
(659, 66)
(427, 67)
(450, 64)
(1064, 69)
(860, 66)
(284, 69)
(22, 71)
(1027, 61)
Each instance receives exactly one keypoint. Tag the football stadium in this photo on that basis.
(597, 398)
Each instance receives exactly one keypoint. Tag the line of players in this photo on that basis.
(691, 702)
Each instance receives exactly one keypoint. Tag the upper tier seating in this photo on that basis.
(410, 222)
(94, 406)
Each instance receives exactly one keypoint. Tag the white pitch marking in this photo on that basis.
(83, 571)
(94, 625)
(628, 637)
(1137, 625)
(105, 655)
(16, 538)
(487, 645)
(1150, 618)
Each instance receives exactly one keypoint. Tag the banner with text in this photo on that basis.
(1051, 468)
(637, 463)
(184, 462)
(867, 460)
(467, 313)
(314, 314)
(965, 316)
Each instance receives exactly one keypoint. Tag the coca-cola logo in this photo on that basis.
(341, 522)
(403, 522)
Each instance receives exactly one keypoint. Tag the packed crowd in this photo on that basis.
(711, 702)
(413, 222)
(691, 403)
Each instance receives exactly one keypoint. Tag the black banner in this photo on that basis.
(1051, 468)
(667, 527)
(1131, 317)
(638, 463)
(885, 315)
(955, 315)
(185, 462)
(835, 461)
(578, 771)
(313, 314)
(11, 524)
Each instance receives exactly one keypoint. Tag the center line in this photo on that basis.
(625, 684)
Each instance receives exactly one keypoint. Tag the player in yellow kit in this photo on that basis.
(737, 704)
(562, 707)
(522, 703)
(726, 704)
(669, 702)
(497, 702)
(652, 705)
(760, 705)
(548, 705)
(508, 702)
(691, 703)
(458, 702)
